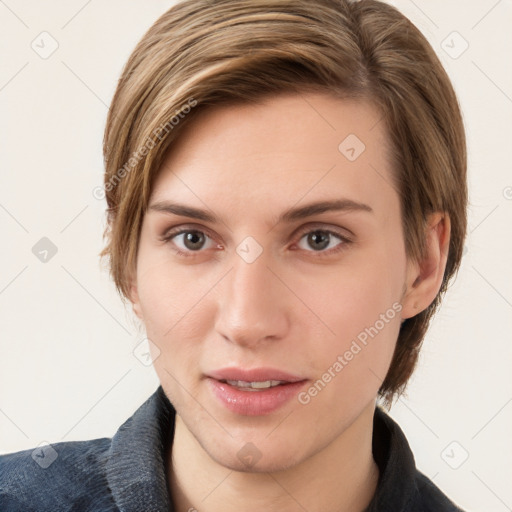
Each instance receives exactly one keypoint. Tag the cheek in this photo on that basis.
(350, 366)
(174, 318)
(167, 293)
(359, 302)
(355, 293)
(177, 314)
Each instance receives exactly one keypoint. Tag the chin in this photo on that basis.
(251, 453)
(272, 463)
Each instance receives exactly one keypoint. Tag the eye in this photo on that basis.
(189, 240)
(322, 240)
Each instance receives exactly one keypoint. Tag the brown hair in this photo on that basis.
(202, 53)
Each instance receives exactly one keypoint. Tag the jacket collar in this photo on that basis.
(397, 479)
(136, 467)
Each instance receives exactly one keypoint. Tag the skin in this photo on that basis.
(297, 307)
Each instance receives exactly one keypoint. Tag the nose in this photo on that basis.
(253, 305)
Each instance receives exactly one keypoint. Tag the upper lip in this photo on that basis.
(253, 375)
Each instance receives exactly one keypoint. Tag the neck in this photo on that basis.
(342, 477)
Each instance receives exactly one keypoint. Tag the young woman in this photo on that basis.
(286, 189)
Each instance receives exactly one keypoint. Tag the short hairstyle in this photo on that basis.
(202, 53)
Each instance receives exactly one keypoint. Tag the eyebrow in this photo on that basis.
(290, 215)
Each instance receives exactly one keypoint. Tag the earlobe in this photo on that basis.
(424, 278)
(136, 308)
(134, 298)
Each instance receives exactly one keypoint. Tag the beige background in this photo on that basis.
(67, 367)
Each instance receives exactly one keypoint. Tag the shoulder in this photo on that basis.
(430, 498)
(100, 475)
(60, 476)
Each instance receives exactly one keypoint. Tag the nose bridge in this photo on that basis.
(251, 307)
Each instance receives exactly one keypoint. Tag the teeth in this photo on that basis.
(254, 385)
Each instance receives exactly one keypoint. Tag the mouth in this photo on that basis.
(254, 386)
(254, 392)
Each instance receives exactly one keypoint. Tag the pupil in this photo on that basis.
(317, 237)
(194, 240)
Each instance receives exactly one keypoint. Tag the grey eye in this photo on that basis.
(191, 240)
(318, 240)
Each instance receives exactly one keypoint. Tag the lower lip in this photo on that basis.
(254, 403)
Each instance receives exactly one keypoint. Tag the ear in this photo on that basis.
(424, 278)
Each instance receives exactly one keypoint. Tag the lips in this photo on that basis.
(254, 392)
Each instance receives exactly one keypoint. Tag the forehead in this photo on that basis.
(283, 149)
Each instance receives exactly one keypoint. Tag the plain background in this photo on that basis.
(67, 366)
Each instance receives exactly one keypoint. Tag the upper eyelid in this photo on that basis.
(179, 230)
(315, 226)
(338, 231)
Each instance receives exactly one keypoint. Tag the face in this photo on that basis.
(272, 254)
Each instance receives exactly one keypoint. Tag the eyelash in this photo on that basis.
(344, 240)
